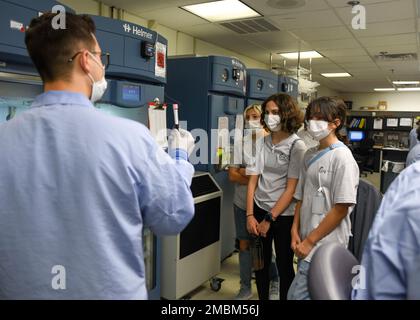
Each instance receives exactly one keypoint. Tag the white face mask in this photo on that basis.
(318, 129)
(253, 124)
(98, 87)
(273, 122)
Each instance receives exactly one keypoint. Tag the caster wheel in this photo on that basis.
(216, 284)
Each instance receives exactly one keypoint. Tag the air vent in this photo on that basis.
(384, 56)
(250, 26)
(286, 4)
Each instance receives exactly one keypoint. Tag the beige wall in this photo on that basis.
(397, 101)
(179, 43)
(323, 91)
(88, 6)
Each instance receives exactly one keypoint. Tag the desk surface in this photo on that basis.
(391, 149)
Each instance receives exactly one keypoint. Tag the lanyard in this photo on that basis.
(324, 152)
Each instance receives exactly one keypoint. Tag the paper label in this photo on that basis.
(160, 61)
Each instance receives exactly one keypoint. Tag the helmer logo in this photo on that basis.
(137, 31)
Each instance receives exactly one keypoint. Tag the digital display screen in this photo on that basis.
(356, 135)
(131, 93)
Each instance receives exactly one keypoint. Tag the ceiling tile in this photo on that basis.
(358, 65)
(264, 8)
(386, 28)
(381, 12)
(165, 17)
(400, 67)
(273, 40)
(399, 39)
(141, 7)
(393, 49)
(306, 20)
(341, 3)
(314, 34)
(335, 44)
(350, 59)
(343, 52)
(207, 30)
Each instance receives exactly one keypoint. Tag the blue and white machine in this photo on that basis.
(19, 80)
(261, 84)
(136, 77)
(289, 85)
(211, 92)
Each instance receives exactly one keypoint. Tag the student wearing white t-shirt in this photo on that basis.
(246, 150)
(271, 186)
(326, 191)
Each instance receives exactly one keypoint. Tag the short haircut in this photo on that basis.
(328, 109)
(50, 48)
(291, 118)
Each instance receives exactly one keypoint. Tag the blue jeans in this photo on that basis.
(245, 262)
(299, 288)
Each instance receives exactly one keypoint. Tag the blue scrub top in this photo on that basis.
(413, 156)
(413, 138)
(392, 252)
(77, 186)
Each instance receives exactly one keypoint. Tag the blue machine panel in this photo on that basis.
(15, 16)
(208, 89)
(227, 75)
(128, 99)
(261, 83)
(125, 41)
(289, 85)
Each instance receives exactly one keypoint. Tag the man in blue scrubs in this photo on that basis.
(414, 154)
(77, 186)
(413, 136)
(391, 258)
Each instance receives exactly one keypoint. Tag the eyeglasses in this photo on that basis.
(105, 57)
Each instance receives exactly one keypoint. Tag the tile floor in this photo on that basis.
(230, 286)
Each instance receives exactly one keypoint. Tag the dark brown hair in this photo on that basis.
(50, 49)
(290, 115)
(418, 133)
(328, 109)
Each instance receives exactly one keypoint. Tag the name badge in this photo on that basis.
(318, 202)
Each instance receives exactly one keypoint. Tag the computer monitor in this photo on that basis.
(356, 136)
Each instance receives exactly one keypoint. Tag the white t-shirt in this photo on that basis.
(275, 165)
(337, 173)
(245, 151)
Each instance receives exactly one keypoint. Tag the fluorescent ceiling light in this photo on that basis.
(222, 10)
(303, 55)
(384, 89)
(405, 82)
(336, 75)
(409, 89)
